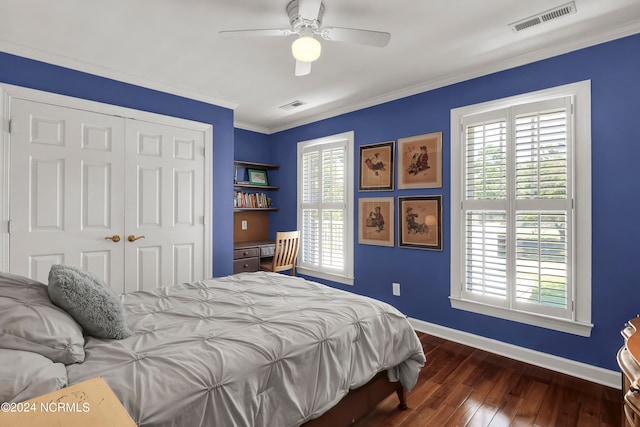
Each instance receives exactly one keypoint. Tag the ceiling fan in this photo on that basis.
(305, 17)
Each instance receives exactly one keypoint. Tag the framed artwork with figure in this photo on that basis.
(376, 167)
(420, 161)
(420, 222)
(376, 221)
(257, 177)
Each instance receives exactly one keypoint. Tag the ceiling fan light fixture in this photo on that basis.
(306, 49)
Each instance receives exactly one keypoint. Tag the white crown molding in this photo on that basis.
(548, 361)
(533, 56)
(85, 67)
(513, 62)
(251, 127)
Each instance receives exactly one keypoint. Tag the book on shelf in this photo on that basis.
(251, 200)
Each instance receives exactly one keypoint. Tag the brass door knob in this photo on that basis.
(133, 238)
(115, 238)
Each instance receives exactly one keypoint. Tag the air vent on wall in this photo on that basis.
(292, 105)
(546, 16)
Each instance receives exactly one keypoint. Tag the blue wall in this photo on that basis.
(252, 147)
(37, 75)
(613, 69)
(424, 275)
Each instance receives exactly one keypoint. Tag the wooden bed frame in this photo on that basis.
(360, 402)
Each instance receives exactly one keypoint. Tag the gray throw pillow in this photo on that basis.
(29, 321)
(94, 305)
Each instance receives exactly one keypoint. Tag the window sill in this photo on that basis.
(325, 275)
(563, 325)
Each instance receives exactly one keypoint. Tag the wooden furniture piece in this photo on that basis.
(629, 361)
(250, 226)
(247, 256)
(285, 253)
(89, 403)
(243, 187)
(361, 401)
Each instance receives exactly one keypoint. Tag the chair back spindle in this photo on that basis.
(285, 253)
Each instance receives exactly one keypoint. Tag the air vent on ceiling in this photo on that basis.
(547, 15)
(292, 105)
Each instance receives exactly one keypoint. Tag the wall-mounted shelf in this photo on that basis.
(265, 166)
(256, 187)
(255, 191)
(255, 209)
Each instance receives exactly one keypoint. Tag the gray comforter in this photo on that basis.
(253, 349)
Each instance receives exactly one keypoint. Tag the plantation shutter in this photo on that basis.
(324, 206)
(486, 214)
(517, 209)
(311, 208)
(543, 207)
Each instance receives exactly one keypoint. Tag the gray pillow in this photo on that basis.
(29, 321)
(94, 305)
(24, 375)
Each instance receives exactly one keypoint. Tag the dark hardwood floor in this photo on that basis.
(463, 386)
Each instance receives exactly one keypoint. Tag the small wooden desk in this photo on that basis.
(248, 255)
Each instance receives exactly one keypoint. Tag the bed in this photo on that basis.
(252, 349)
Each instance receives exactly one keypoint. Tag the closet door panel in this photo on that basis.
(67, 180)
(82, 182)
(149, 201)
(97, 196)
(47, 201)
(165, 204)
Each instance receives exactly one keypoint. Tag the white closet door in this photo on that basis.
(67, 182)
(165, 203)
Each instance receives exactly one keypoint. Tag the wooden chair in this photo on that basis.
(285, 253)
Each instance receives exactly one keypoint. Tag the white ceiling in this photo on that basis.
(174, 46)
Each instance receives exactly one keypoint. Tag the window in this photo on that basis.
(325, 207)
(521, 208)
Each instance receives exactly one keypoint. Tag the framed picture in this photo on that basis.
(257, 177)
(420, 222)
(376, 221)
(376, 167)
(420, 161)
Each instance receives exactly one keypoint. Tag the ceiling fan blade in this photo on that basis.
(353, 35)
(303, 68)
(309, 9)
(255, 33)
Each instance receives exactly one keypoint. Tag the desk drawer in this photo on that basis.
(246, 265)
(245, 253)
(267, 251)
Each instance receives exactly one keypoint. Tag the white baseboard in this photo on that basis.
(570, 367)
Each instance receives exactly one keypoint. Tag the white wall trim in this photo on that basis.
(346, 140)
(548, 361)
(516, 61)
(13, 91)
(576, 320)
(325, 275)
(475, 72)
(251, 127)
(4, 179)
(97, 70)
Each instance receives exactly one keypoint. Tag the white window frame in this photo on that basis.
(346, 276)
(579, 322)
